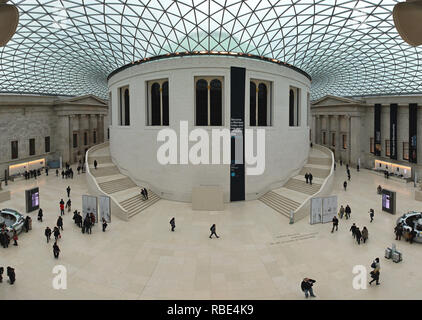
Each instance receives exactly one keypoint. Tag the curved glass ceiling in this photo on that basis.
(68, 47)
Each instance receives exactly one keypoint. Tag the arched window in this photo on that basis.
(165, 93)
(216, 103)
(127, 108)
(291, 108)
(252, 106)
(260, 108)
(262, 104)
(201, 102)
(155, 105)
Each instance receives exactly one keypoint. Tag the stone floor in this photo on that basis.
(258, 255)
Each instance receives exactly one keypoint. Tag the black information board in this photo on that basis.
(389, 201)
(32, 199)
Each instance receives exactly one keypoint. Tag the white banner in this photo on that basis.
(105, 208)
(89, 205)
(323, 209)
(316, 210)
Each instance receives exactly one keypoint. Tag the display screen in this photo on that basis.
(32, 197)
(388, 199)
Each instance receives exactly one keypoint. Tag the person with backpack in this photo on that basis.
(375, 274)
(213, 231)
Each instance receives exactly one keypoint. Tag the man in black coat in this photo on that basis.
(310, 178)
(306, 177)
(353, 229)
(60, 223)
(68, 191)
(173, 224)
(348, 211)
(11, 274)
(213, 229)
(335, 224)
(358, 235)
(40, 215)
(306, 287)
(95, 164)
(47, 233)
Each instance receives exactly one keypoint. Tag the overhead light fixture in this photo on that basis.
(9, 19)
(407, 19)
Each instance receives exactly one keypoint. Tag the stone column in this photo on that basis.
(90, 131)
(337, 119)
(348, 154)
(355, 128)
(318, 129)
(100, 128)
(81, 138)
(72, 119)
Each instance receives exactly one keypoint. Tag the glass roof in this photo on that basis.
(68, 47)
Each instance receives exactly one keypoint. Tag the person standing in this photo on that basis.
(11, 274)
(353, 229)
(62, 174)
(371, 214)
(61, 203)
(213, 231)
(348, 211)
(375, 274)
(146, 193)
(60, 223)
(335, 224)
(47, 233)
(365, 234)
(46, 171)
(341, 212)
(57, 172)
(40, 215)
(1, 274)
(173, 224)
(310, 178)
(15, 238)
(345, 185)
(95, 164)
(335, 165)
(306, 287)
(306, 177)
(358, 235)
(398, 230)
(56, 250)
(68, 191)
(104, 225)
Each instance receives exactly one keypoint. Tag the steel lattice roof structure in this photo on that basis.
(69, 47)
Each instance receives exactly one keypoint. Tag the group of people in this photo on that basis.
(344, 212)
(32, 174)
(10, 273)
(308, 177)
(407, 233)
(68, 173)
(359, 235)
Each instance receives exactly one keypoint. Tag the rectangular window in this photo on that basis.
(124, 106)
(31, 147)
(405, 150)
(75, 140)
(344, 139)
(47, 144)
(158, 102)
(14, 147)
(94, 135)
(85, 138)
(387, 148)
(323, 138)
(260, 106)
(294, 107)
(371, 145)
(209, 101)
(333, 139)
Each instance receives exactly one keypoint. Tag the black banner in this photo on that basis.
(237, 126)
(413, 132)
(393, 131)
(377, 130)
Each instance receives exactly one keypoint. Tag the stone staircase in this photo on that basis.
(296, 191)
(118, 186)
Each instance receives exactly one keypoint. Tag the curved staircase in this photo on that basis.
(296, 192)
(119, 187)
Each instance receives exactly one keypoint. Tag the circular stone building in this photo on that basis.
(238, 96)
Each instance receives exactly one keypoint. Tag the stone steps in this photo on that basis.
(316, 172)
(100, 159)
(104, 171)
(136, 204)
(319, 161)
(117, 185)
(279, 203)
(302, 186)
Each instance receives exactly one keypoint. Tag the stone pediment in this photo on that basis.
(335, 101)
(90, 100)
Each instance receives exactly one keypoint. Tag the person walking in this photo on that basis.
(95, 164)
(57, 172)
(398, 230)
(371, 214)
(47, 233)
(353, 229)
(60, 222)
(341, 212)
(104, 225)
(348, 174)
(15, 238)
(310, 178)
(358, 235)
(365, 234)
(213, 231)
(335, 224)
(68, 191)
(375, 274)
(306, 177)
(335, 165)
(56, 233)
(56, 250)
(69, 205)
(11, 274)
(348, 211)
(306, 287)
(172, 224)
(146, 193)
(40, 215)
(61, 204)
(345, 185)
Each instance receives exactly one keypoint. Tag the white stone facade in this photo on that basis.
(134, 148)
